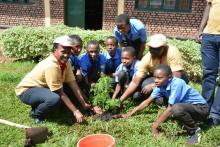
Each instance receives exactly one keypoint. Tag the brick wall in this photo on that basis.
(30, 14)
(171, 24)
(57, 11)
(110, 10)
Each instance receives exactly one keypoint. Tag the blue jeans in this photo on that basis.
(210, 65)
(41, 100)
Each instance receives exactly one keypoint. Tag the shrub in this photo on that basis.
(102, 91)
(34, 43)
(31, 43)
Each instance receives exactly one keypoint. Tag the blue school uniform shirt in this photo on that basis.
(86, 64)
(132, 70)
(137, 31)
(74, 60)
(112, 62)
(178, 92)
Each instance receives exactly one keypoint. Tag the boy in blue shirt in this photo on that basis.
(184, 103)
(74, 60)
(92, 64)
(112, 55)
(126, 70)
(131, 32)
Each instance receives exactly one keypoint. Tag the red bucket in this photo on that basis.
(97, 140)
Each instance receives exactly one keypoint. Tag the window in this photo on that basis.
(16, 1)
(164, 5)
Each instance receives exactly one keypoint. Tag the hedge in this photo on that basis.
(34, 43)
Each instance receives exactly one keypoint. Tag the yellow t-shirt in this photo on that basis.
(213, 23)
(46, 73)
(171, 58)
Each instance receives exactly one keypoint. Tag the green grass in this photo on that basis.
(131, 132)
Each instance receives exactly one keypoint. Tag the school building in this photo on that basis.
(174, 18)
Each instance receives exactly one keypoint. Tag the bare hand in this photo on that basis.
(79, 116)
(97, 110)
(92, 85)
(87, 106)
(147, 89)
(154, 130)
(125, 115)
(198, 37)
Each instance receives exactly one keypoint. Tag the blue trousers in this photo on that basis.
(210, 65)
(41, 100)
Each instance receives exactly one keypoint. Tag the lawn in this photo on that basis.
(131, 132)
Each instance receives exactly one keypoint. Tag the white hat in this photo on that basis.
(64, 41)
(157, 40)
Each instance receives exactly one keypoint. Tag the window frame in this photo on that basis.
(161, 9)
(16, 2)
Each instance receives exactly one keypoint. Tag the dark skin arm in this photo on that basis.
(78, 93)
(131, 88)
(117, 90)
(162, 118)
(139, 108)
(203, 23)
(70, 105)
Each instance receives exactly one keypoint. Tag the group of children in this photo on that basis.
(183, 102)
(119, 64)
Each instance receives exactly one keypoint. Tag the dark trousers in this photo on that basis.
(42, 100)
(211, 65)
(189, 114)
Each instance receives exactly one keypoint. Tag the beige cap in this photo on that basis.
(157, 40)
(64, 41)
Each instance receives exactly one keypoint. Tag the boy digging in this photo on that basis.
(184, 103)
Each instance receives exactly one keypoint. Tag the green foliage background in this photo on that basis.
(33, 43)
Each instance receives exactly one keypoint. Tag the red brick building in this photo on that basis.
(174, 18)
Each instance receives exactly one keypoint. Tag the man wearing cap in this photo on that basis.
(159, 53)
(42, 88)
(131, 32)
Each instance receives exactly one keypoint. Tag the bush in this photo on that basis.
(31, 43)
(34, 43)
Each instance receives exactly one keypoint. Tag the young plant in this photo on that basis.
(102, 94)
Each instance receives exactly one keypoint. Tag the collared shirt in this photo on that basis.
(137, 31)
(213, 23)
(86, 64)
(132, 70)
(171, 58)
(178, 92)
(74, 61)
(46, 73)
(112, 62)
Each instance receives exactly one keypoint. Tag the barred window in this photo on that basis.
(16, 1)
(164, 5)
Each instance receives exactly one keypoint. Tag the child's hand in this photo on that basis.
(97, 110)
(92, 85)
(154, 130)
(87, 106)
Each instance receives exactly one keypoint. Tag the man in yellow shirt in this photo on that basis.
(209, 34)
(159, 53)
(42, 88)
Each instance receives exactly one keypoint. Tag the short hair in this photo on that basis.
(113, 38)
(76, 39)
(123, 18)
(165, 68)
(130, 50)
(93, 42)
(55, 46)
